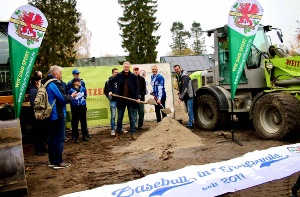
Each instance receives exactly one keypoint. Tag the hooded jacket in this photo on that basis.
(185, 86)
(114, 90)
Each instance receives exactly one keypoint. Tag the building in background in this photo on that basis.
(100, 61)
(190, 63)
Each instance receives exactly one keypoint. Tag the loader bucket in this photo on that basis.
(12, 169)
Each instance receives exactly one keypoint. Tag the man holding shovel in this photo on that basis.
(158, 91)
(128, 87)
(186, 93)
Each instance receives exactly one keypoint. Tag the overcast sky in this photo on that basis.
(102, 16)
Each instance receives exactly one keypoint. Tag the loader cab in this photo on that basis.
(5, 79)
(258, 51)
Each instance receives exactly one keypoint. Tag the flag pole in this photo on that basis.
(232, 139)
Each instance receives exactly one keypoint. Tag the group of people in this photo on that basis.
(126, 84)
(131, 86)
(52, 129)
(123, 89)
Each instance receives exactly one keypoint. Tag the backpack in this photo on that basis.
(42, 108)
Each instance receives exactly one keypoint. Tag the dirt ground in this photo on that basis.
(166, 146)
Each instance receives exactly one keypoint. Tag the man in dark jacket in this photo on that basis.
(186, 93)
(58, 96)
(140, 112)
(127, 84)
(113, 102)
(39, 135)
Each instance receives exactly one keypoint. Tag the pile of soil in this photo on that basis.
(167, 136)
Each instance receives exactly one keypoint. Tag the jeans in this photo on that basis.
(159, 114)
(113, 112)
(56, 140)
(121, 109)
(190, 108)
(139, 114)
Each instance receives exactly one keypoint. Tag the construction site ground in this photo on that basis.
(165, 146)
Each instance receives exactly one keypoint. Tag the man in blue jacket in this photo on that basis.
(57, 94)
(127, 84)
(75, 74)
(159, 93)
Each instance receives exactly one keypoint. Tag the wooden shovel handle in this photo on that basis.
(124, 97)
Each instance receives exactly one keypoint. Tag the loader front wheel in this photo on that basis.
(275, 115)
(207, 113)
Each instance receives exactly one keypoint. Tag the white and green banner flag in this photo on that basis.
(243, 21)
(26, 30)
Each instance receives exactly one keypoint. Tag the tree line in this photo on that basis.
(67, 37)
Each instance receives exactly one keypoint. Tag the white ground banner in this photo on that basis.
(211, 179)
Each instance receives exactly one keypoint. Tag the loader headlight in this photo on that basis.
(269, 65)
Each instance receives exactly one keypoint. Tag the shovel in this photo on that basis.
(165, 110)
(149, 101)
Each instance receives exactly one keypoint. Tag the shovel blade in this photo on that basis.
(151, 101)
(166, 111)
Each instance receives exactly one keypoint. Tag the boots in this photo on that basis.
(133, 137)
(118, 137)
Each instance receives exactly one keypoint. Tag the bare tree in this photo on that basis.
(295, 44)
(82, 47)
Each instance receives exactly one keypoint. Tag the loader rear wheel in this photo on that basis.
(207, 113)
(275, 115)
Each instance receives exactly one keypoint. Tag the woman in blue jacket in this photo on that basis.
(78, 110)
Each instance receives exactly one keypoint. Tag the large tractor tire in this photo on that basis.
(275, 115)
(207, 113)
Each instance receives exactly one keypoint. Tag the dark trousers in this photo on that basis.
(56, 140)
(78, 114)
(39, 135)
(158, 112)
(141, 113)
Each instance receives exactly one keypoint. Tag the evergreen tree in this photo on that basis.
(57, 47)
(198, 44)
(179, 37)
(138, 24)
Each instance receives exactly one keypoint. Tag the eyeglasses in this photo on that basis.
(76, 74)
